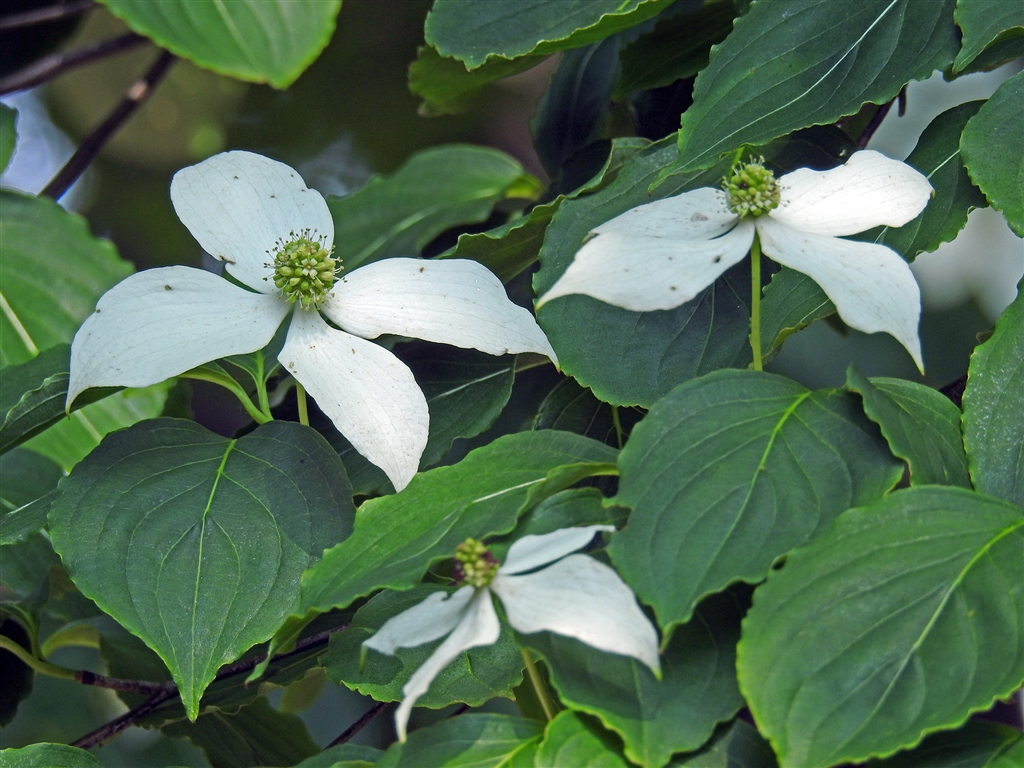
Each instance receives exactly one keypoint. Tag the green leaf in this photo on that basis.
(23, 566)
(25, 495)
(973, 746)
(656, 718)
(937, 156)
(572, 408)
(47, 756)
(985, 23)
(992, 146)
(397, 537)
(16, 674)
(476, 676)
(18, 525)
(435, 189)
(32, 395)
(183, 536)
(654, 350)
(791, 301)
(921, 426)
(343, 756)
(256, 735)
(993, 420)
(731, 471)
(475, 33)
(8, 134)
(448, 88)
(1011, 758)
(41, 238)
(902, 619)
(474, 739)
(262, 41)
(740, 746)
(810, 65)
(572, 739)
(572, 111)
(677, 47)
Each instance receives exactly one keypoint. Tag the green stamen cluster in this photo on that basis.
(304, 269)
(752, 189)
(474, 563)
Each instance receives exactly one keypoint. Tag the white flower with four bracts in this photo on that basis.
(662, 254)
(574, 595)
(276, 237)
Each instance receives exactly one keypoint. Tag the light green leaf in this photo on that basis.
(256, 735)
(194, 536)
(992, 146)
(477, 740)
(448, 88)
(571, 739)
(8, 134)
(435, 189)
(397, 537)
(986, 23)
(993, 420)
(731, 471)
(903, 618)
(476, 676)
(978, 744)
(47, 756)
(475, 33)
(656, 718)
(810, 65)
(263, 41)
(921, 425)
(1011, 758)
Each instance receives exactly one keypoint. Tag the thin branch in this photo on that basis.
(56, 64)
(872, 126)
(247, 665)
(118, 684)
(359, 724)
(43, 15)
(93, 143)
(108, 731)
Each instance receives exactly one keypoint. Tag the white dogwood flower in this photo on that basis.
(662, 254)
(575, 596)
(276, 237)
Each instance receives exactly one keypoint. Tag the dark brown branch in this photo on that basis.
(93, 143)
(132, 686)
(359, 724)
(872, 126)
(109, 730)
(43, 15)
(57, 64)
(247, 665)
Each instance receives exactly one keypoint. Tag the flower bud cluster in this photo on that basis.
(474, 564)
(752, 189)
(304, 268)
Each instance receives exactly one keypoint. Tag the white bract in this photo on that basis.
(662, 254)
(257, 215)
(575, 596)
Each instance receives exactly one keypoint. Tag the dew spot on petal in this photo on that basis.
(168, 288)
(717, 259)
(234, 177)
(698, 217)
(672, 287)
(422, 268)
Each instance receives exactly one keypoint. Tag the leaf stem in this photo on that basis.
(40, 666)
(543, 696)
(261, 384)
(755, 300)
(205, 374)
(300, 399)
(618, 425)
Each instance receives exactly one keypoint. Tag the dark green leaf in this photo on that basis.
(508, 29)
(397, 537)
(992, 146)
(183, 536)
(476, 676)
(264, 41)
(572, 408)
(24, 565)
(739, 746)
(791, 301)
(993, 420)
(448, 88)
(477, 740)
(731, 471)
(903, 618)
(256, 735)
(572, 739)
(678, 47)
(572, 111)
(810, 63)
(654, 350)
(937, 156)
(8, 134)
(973, 746)
(47, 756)
(19, 524)
(343, 756)
(655, 718)
(985, 23)
(435, 189)
(28, 483)
(921, 425)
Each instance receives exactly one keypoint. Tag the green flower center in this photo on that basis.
(474, 563)
(304, 268)
(752, 189)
